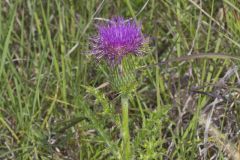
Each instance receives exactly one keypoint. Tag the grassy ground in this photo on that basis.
(56, 103)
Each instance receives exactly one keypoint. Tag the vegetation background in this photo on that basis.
(55, 102)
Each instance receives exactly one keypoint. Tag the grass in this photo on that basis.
(56, 102)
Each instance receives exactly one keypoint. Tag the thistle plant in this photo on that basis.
(117, 42)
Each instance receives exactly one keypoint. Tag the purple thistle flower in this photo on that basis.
(116, 39)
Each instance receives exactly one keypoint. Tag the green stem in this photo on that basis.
(125, 128)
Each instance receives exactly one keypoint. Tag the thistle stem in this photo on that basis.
(125, 128)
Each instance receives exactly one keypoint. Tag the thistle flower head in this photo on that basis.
(116, 39)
